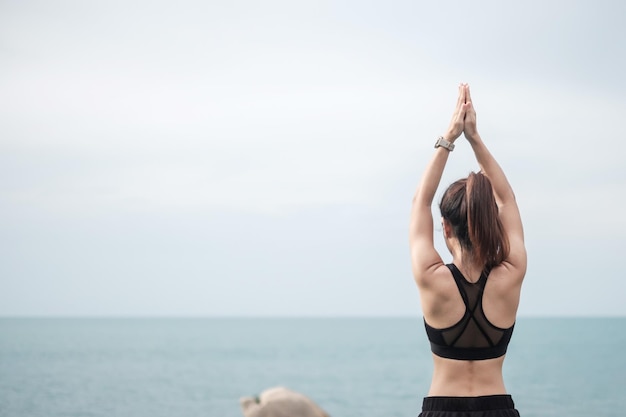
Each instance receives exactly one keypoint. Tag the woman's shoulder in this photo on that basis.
(508, 274)
(438, 280)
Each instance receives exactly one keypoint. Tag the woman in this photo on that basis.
(469, 306)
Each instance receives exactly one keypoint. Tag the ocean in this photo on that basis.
(374, 367)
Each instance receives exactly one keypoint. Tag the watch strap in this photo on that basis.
(441, 142)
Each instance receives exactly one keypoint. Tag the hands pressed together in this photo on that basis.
(463, 118)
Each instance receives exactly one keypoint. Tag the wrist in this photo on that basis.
(450, 137)
(473, 138)
(442, 142)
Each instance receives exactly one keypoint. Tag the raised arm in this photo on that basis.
(505, 198)
(424, 257)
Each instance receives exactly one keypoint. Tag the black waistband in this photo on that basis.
(483, 403)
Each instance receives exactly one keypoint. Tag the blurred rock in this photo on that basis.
(280, 402)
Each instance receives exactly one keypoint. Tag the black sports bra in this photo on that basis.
(473, 337)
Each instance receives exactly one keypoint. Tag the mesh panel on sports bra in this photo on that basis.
(473, 337)
(473, 331)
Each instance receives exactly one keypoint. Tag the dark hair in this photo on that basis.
(470, 207)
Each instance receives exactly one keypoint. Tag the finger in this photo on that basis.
(458, 114)
(468, 97)
(461, 99)
(461, 113)
(471, 107)
(462, 93)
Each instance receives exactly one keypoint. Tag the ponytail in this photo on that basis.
(470, 207)
(485, 230)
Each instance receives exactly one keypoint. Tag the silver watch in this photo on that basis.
(444, 144)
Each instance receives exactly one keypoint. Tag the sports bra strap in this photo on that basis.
(459, 279)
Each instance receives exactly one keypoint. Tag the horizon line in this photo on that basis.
(277, 316)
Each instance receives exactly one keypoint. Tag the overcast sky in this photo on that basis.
(255, 158)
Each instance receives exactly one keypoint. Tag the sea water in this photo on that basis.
(374, 367)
